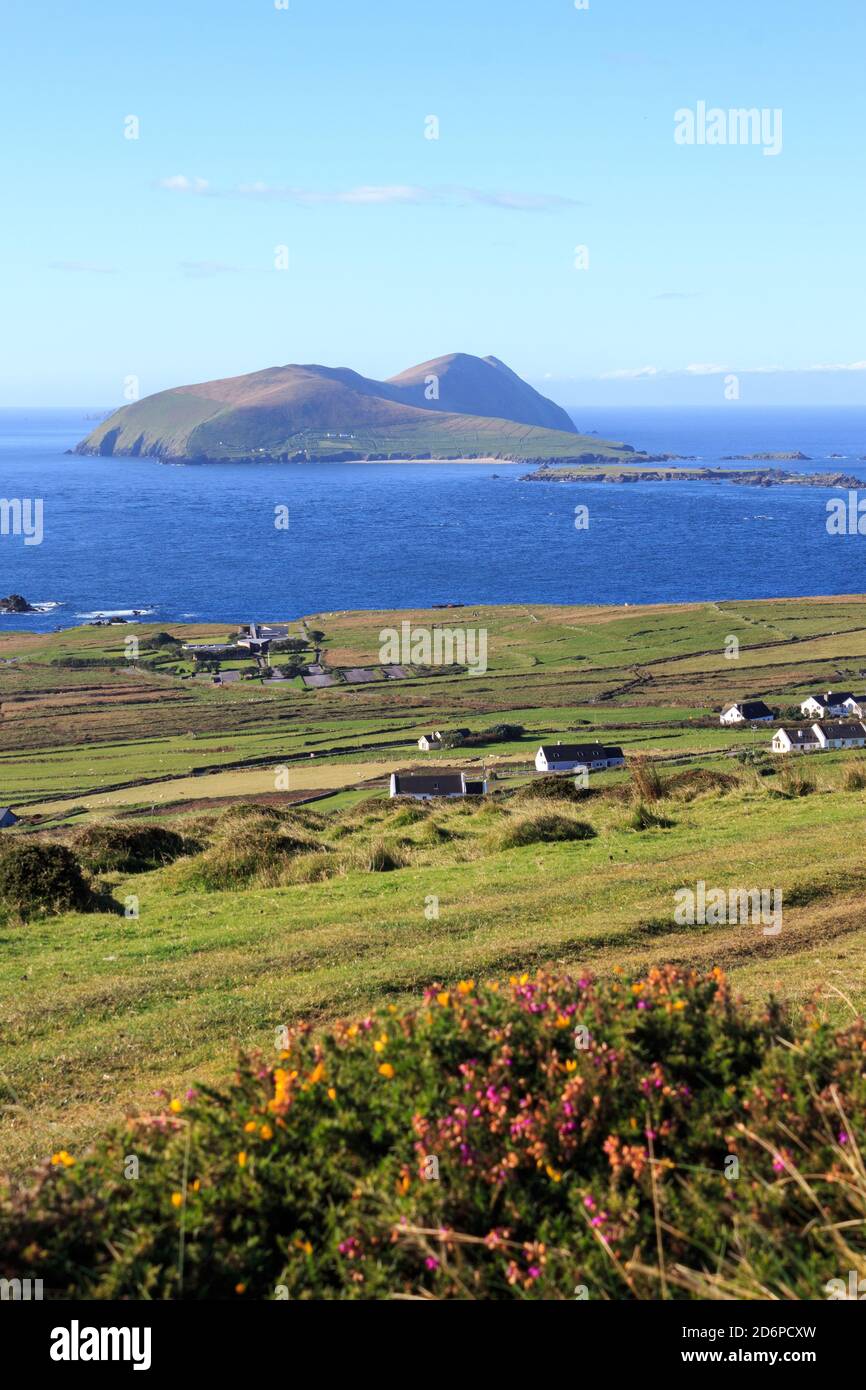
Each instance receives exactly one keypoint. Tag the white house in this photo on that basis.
(793, 738)
(841, 735)
(746, 712)
(428, 741)
(577, 757)
(423, 786)
(856, 705)
(831, 702)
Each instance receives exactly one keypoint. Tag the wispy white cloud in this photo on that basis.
(630, 373)
(180, 183)
(375, 194)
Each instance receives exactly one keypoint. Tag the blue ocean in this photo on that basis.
(134, 535)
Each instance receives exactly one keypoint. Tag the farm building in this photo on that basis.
(428, 741)
(746, 712)
(574, 757)
(8, 818)
(423, 786)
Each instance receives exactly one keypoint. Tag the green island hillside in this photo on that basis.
(452, 407)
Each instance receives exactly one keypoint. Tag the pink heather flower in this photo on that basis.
(589, 1202)
(843, 1137)
(431, 1262)
(533, 1272)
(778, 1165)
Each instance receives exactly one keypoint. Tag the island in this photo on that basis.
(458, 407)
(637, 473)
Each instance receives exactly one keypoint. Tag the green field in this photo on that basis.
(97, 1010)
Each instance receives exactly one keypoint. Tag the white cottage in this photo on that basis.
(794, 738)
(746, 712)
(830, 703)
(577, 757)
(425, 786)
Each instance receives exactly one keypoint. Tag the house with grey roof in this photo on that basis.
(424, 786)
(577, 757)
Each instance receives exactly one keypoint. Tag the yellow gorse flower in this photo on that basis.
(386, 1070)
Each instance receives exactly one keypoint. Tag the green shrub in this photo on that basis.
(548, 788)
(38, 879)
(543, 828)
(108, 847)
(645, 1139)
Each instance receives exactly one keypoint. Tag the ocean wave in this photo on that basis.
(118, 613)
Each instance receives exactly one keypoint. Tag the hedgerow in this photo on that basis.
(552, 1137)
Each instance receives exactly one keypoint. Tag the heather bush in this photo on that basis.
(642, 1138)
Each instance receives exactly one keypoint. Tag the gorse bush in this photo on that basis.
(39, 879)
(643, 1138)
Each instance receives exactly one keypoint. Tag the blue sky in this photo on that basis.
(262, 127)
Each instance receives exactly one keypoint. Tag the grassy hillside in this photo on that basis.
(97, 1009)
